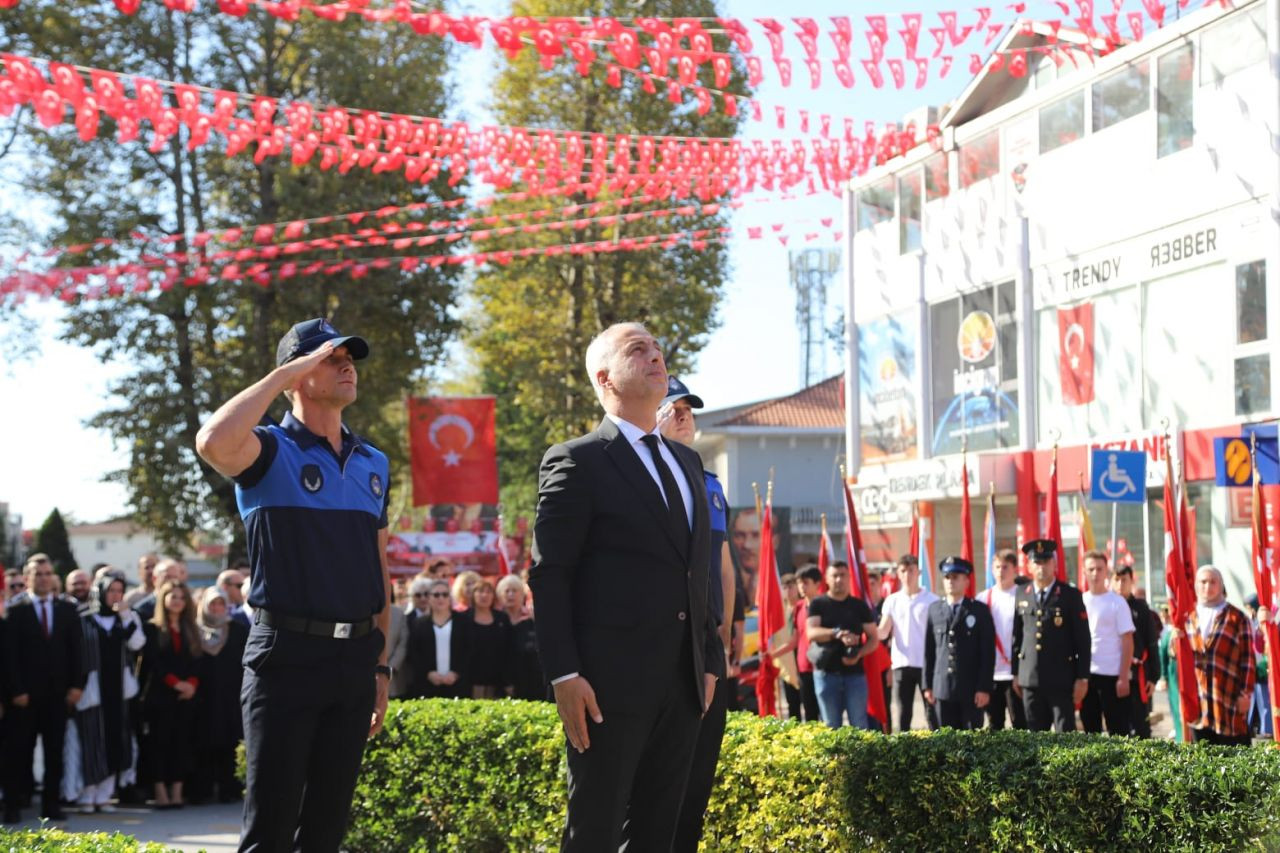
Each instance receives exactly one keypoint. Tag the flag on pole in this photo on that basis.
(966, 523)
(824, 548)
(926, 563)
(874, 664)
(989, 531)
(1181, 602)
(1087, 541)
(769, 613)
(1053, 524)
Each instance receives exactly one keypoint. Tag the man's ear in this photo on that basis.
(602, 378)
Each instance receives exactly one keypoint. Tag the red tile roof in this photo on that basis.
(818, 406)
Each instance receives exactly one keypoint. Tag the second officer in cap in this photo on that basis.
(1050, 643)
(959, 651)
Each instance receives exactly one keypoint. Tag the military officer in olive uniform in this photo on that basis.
(1050, 643)
(959, 651)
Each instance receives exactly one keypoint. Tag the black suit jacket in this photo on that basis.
(422, 656)
(959, 653)
(43, 668)
(1051, 647)
(616, 597)
(1145, 639)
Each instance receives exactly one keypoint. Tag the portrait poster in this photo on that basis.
(887, 388)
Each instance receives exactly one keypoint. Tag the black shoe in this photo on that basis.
(12, 816)
(54, 814)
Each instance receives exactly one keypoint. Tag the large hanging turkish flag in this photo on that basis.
(453, 450)
(1075, 353)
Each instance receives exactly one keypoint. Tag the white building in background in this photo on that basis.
(121, 542)
(1084, 256)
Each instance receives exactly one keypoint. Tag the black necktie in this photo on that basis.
(675, 503)
(1041, 596)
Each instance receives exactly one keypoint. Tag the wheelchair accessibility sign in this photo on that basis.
(1119, 476)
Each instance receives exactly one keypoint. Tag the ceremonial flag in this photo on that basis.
(1181, 602)
(769, 613)
(1087, 541)
(453, 450)
(966, 523)
(874, 664)
(1263, 560)
(824, 549)
(1075, 353)
(989, 531)
(1053, 524)
(920, 547)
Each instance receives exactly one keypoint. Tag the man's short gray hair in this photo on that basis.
(420, 586)
(602, 348)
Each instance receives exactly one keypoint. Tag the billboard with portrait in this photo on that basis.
(887, 387)
(974, 362)
(744, 547)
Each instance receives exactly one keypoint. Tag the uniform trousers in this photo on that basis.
(1049, 707)
(959, 713)
(1101, 702)
(907, 682)
(702, 773)
(627, 788)
(1003, 698)
(307, 703)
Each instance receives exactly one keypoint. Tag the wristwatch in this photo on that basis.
(382, 669)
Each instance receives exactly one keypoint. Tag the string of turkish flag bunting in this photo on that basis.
(547, 163)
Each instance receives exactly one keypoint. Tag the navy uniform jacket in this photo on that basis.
(1050, 643)
(959, 653)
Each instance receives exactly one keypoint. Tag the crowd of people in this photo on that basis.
(1028, 652)
(133, 694)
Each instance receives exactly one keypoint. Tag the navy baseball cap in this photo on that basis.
(955, 566)
(677, 390)
(1040, 550)
(305, 337)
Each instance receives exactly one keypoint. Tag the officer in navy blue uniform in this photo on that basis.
(676, 420)
(959, 651)
(1051, 644)
(313, 498)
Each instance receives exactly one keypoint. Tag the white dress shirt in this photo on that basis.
(634, 434)
(444, 634)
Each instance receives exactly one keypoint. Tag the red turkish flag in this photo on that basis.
(453, 450)
(1075, 353)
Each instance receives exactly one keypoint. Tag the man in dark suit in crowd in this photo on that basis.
(43, 676)
(625, 632)
(1051, 643)
(1146, 651)
(959, 651)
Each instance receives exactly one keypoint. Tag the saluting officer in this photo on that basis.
(959, 651)
(1050, 643)
(313, 498)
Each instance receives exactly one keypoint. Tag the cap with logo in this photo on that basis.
(1040, 550)
(305, 337)
(955, 566)
(677, 390)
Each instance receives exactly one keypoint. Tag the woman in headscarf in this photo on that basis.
(218, 725)
(111, 631)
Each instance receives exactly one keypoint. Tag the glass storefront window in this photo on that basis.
(1175, 95)
(1234, 44)
(1251, 302)
(937, 180)
(909, 213)
(875, 204)
(1062, 121)
(1253, 384)
(1121, 95)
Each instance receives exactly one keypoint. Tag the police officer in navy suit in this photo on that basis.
(959, 651)
(676, 421)
(313, 498)
(1051, 648)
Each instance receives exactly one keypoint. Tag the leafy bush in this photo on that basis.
(40, 840)
(451, 775)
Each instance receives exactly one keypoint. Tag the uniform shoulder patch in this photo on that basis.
(311, 478)
(717, 501)
(375, 484)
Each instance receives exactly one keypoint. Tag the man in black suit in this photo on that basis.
(1051, 643)
(959, 651)
(625, 632)
(43, 677)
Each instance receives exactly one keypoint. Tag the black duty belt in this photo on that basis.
(314, 627)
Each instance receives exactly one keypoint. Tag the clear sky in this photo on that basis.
(52, 459)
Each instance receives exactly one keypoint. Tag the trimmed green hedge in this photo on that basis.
(449, 775)
(40, 840)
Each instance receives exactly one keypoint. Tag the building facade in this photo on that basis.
(1080, 260)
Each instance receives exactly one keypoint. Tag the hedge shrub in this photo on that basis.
(455, 775)
(41, 840)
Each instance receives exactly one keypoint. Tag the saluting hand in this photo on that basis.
(302, 365)
(575, 700)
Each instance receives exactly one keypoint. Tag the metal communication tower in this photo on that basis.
(811, 271)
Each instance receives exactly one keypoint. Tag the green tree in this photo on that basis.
(191, 348)
(52, 539)
(535, 316)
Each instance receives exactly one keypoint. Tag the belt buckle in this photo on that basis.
(342, 630)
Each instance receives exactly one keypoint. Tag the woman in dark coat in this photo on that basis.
(489, 647)
(438, 646)
(173, 651)
(525, 671)
(218, 723)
